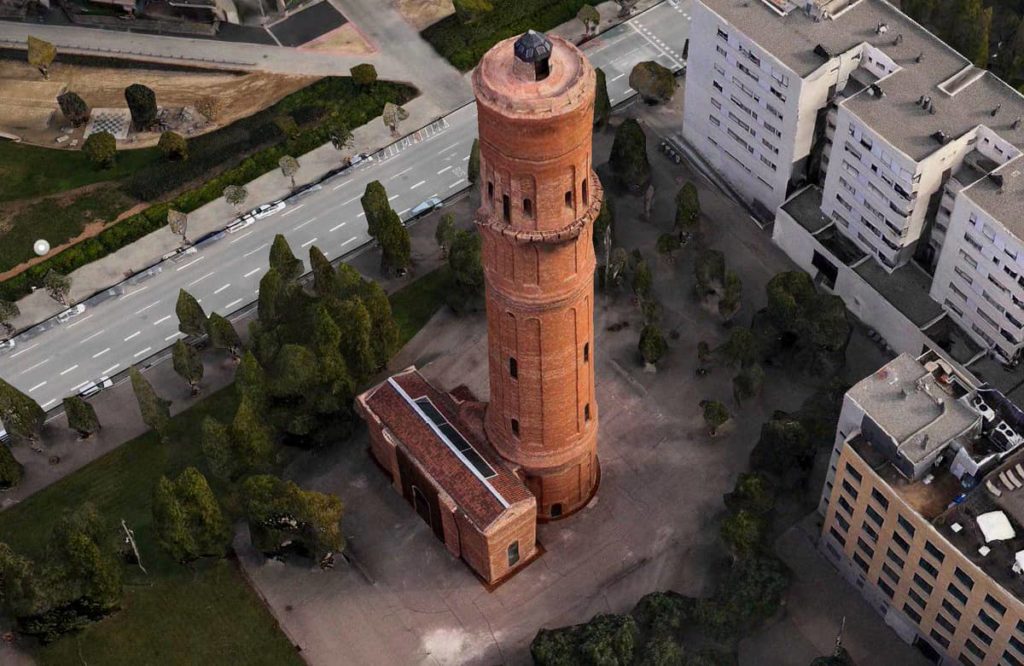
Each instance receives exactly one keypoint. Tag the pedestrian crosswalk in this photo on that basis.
(433, 129)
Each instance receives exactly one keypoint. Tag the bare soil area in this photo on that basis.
(421, 13)
(240, 94)
(346, 40)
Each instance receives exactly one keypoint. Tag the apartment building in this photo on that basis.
(924, 507)
(892, 125)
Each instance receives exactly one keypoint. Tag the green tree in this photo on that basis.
(289, 167)
(628, 160)
(364, 74)
(101, 149)
(171, 523)
(156, 412)
(271, 289)
(715, 415)
(252, 439)
(81, 416)
(816, 320)
(21, 415)
(218, 449)
(589, 17)
(283, 261)
(741, 349)
(395, 244)
(743, 533)
(747, 383)
(142, 104)
(187, 518)
(287, 126)
(324, 283)
(355, 329)
(280, 513)
(223, 335)
(602, 103)
(967, 24)
(11, 473)
(375, 207)
(652, 344)
(473, 168)
(467, 270)
(177, 222)
(57, 286)
(385, 334)
(667, 245)
(750, 593)
(687, 209)
(173, 146)
(191, 318)
(643, 282)
(839, 657)
(236, 196)
(709, 271)
(20, 593)
(74, 108)
(752, 493)
(251, 381)
(732, 292)
(470, 11)
(655, 83)
(84, 564)
(187, 364)
(41, 55)
(9, 310)
(392, 115)
(443, 235)
(338, 131)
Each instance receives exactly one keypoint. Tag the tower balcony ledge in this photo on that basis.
(552, 236)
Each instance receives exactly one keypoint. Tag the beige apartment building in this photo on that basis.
(924, 508)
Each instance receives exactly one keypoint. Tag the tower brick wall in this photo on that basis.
(539, 199)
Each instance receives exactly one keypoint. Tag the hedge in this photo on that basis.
(463, 44)
(357, 104)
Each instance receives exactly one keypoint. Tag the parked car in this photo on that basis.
(90, 389)
(241, 223)
(266, 210)
(433, 203)
(179, 253)
(6, 346)
(71, 313)
(359, 158)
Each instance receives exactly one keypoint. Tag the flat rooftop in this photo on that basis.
(904, 288)
(924, 59)
(1001, 195)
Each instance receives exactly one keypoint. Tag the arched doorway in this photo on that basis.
(419, 501)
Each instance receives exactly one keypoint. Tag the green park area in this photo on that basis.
(47, 197)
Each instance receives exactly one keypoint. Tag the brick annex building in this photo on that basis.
(482, 474)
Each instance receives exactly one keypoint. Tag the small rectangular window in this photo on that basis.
(527, 208)
(586, 352)
(506, 207)
(911, 613)
(940, 639)
(586, 411)
(490, 190)
(513, 553)
(964, 578)
(880, 498)
(513, 368)
(994, 605)
(515, 427)
(583, 190)
(568, 199)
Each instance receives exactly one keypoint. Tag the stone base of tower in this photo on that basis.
(564, 491)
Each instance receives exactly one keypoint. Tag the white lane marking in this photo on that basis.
(171, 337)
(392, 197)
(232, 304)
(132, 293)
(292, 210)
(80, 321)
(140, 353)
(361, 215)
(403, 212)
(33, 347)
(254, 251)
(147, 307)
(111, 369)
(33, 367)
(448, 147)
(309, 242)
(64, 372)
(255, 270)
(98, 354)
(345, 203)
(339, 186)
(221, 288)
(460, 181)
(400, 173)
(133, 335)
(335, 228)
(39, 385)
(194, 261)
(99, 332)
(617, 77)
(443, 170)
(248, 233)
(348, 241)
(299, 226)
(48, 403)
(198, 280)
(417, 185)
(161, 320)
(466, 158)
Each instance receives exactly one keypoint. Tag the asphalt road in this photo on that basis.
(136, 321)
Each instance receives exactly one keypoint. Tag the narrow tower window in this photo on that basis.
(513, 553)
(490, 190)
(506, 207)
(556, 510)
(515, 427)
(568, 199)
(513, 368)
(586, 411)
(586, 352)
(583, 186)
(527, 208)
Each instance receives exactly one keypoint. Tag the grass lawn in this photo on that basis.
(174, 615)
(30, 171)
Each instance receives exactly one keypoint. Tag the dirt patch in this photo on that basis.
(240, 94)
(421, 13)
(346, 40)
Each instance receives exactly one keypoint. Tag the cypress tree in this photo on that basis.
(602, 103)
(251, 381)
(375, 206)
(11, 472)
(223, 335)
(384, 338)
(216, 442)
(271, 286)
(187, 364)
(628, 160)
(252, 439)
(323, 272)
(171, 523)
(21, 415)
(156, 412)
(356, 329)
(283, 260)
(142, 104)
(188, 520)
(81, 416)
(473, 168)
(191, 318)
(395, 244)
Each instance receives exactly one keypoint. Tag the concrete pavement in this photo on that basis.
(124, 327)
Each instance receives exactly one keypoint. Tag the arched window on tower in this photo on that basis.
(583, 188)
(506, 207)
(527, 208)
(515, 427)
(568, 199)
(490, 190)
(513, 368)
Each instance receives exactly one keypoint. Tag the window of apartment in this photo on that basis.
(884, 587)
(956, 290)
(880, 498)
(717, 86)
(973, 243)
(982, 636)
(991, 602)
(842, 522)
(964, 578)
(715, 103)
(965, 660)
(772, 129)
(870, 531)
(974, 649)
(929, 567)
(911, 613)
(875, 516)
(778, 94)
(952, 306)
(888, 571)
(940, 639)
(905, 524)
(987, 318)
(848, 487)
(860, 562)
(846, 506)
(988, 232)
(719, 68)
(916, 598)
(765, 142)
(971, 261)
(746, 70)
(925, 586)
(722, 34)
(770, 164)
(945, 624)
(490, 190)
(586, 352)
(585, 191)
(837, 536)
(868, 550)
(951, 609)
(852, 472)
(1009, 660)
(988, 620)
(1016, 643)
(896, 559)
(849, 167)
(775, 112)
(513, 553)
(963, 275)
(957, 594)
(506, 207)
(527, 208)
(715, 121)
(515, 427)
(586, 412)
(844, 203)
(997, 284)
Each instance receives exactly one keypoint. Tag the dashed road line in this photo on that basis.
(136, 333)
(232, 304)
(147, 307)
(198, 280)
(417, 185)
(299, 226)
(292, 210)
(392, 197)
(111, 369)
(80, 321)
(67, 370)
(39, 385)
(161, 320)
(309, 242)
(221, 288)
(33, 367)
(345, 203)
(194, 261)
(172, 336)
(460, 181)
(253, 271)
(443, 170)
(98, 354)
(339, 226)
(140, 353)
(33, 347)
(48, 403)
(245, 235)
(250, 252)
(400, 173)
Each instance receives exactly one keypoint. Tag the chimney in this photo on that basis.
(1017, 123)
(995, 111)
(920, 57)
(898, 40)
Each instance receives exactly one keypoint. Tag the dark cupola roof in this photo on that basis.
(533, 47)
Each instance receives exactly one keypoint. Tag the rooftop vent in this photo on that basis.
(533, 54)
(920, 57)
(875, 90)
(820, 50)
(998, 179)
(941, 137)
(995, 111)
(898, 40)
(882, 28)
(1017, 123)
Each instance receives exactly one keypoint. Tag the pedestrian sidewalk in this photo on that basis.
(113, 268)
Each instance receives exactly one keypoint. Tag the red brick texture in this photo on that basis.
(539, 198)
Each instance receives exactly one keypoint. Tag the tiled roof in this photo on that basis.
(474, 496)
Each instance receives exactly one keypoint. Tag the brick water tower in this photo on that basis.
(539, 199)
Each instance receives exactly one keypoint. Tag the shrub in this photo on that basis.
(100, 148)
